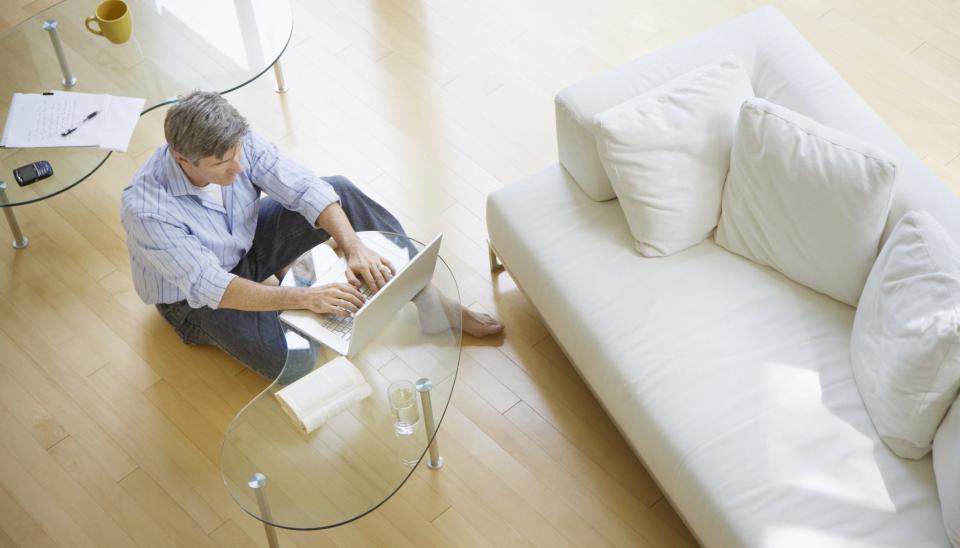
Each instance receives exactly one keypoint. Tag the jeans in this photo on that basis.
(256, 338)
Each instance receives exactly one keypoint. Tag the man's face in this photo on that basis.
(219, 171)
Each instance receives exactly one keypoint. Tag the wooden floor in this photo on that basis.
(110, 428)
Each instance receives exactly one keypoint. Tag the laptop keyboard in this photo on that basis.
(343, 325)
(365, 291)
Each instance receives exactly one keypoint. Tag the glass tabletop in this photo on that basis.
(357, 459)
(177, 46)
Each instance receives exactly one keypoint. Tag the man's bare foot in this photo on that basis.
(438, 313)
(479, 324)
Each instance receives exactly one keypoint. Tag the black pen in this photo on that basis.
(76, 127)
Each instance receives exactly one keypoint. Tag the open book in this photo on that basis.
(323, 393)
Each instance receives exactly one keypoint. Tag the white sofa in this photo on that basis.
(732, 383)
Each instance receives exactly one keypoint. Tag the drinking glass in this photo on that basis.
(403, 402)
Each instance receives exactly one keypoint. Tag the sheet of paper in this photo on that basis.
(119, 123)
(37, 120)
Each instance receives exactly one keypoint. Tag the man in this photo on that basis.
(201, 239)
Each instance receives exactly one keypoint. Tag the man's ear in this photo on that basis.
(181, 159)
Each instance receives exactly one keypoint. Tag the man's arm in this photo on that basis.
(243, 294)
(177, 255)
(299, 189)
(294, 186)
(334, 221)
(181, 258)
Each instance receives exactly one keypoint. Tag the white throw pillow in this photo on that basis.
(805, 199)
(903, 348)
(946, 466)
(667, 153)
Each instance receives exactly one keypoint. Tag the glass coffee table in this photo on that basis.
(355, 461)
(176, 46)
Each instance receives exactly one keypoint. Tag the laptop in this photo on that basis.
(348, 335)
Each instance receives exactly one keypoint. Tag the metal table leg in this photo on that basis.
(281, 86)
(257, 483)
(434, 461)
(69, 80)
(19, 240)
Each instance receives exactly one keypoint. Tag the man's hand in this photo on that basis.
(366, 266)
(339, 299)
(363, 265)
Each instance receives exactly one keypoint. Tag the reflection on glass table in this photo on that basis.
(176, 46)
(359, 458)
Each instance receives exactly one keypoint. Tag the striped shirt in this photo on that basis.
(183, 244)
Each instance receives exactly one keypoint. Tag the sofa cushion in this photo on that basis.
(904, 347)
(808, 200)
(667, 153)
(946, 456)
(730, 381)
(784, 69)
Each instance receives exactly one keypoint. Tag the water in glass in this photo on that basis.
(403, 401)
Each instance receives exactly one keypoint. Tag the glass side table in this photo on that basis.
(177, 46)
(356, 461)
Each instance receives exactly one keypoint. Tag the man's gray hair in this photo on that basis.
(203, 124)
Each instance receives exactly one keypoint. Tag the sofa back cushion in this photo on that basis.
(805, 199)
(667, 153)
(904, 346)
(784, 68)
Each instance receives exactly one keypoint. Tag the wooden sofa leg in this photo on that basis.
(495, 264)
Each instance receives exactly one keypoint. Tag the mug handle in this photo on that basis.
(89, 20)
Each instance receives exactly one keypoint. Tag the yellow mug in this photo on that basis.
(113, 21)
